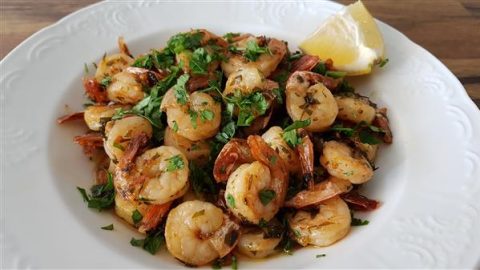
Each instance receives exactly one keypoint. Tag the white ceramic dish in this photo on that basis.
(428, 181)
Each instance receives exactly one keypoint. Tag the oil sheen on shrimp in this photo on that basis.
(198, 232)
(248, 185)
(308, 98)
(329, 223)
(160, 175)
(343, 162)
(197, 120)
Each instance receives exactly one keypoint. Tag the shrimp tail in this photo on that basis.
(132, 151)
(70, 117)
(305, 63)
(153, 216)
(95, 91)
(235, 153)
(305, 153)
(89, 142)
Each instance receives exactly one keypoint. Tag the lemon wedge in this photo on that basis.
(350, 38)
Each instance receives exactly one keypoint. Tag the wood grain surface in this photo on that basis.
(449, 29)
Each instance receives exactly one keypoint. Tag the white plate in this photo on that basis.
(428, 181)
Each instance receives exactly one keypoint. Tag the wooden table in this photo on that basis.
(450, 29)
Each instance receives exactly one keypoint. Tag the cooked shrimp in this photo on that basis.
(152, 214)
(246, 80)
(330, 223)
(159, 175)
(119, 133)
(111, 65)
(273, 137)
(197, 120)
(370, 150)
(320, 192)
(341, 161)
(355, 109)
(307, 98)
(198, 151)
(266, 62)
(198, 232)
(233, 154)
(95, 116)
(254, 244)
(256, 190)
(125, 88)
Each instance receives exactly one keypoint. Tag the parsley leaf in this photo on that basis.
(335, 74)
(185, 41)
(151, 243)
(250, 106)
(253, 51)
(180, 90)
(266, 196)
(234, 263)
(229, 36)
(231, 200)
(290, 135)
(102, 195)
(199, 61)
(383, 62)
(227, 132)
(175, 163)
(106, 81)
(136, 216)
(320, 255)
(201, 180)
(108, 227)
(158, 59)
(359, 222)
(206, 115)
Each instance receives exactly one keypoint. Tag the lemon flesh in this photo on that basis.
(350, 38)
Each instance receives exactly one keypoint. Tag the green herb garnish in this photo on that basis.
(231, 200)
(102, 195)
(175, 163)
(136, 216)
(107, 228)
(266, 196)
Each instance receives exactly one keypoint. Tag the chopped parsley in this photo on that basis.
(234, 263)
(320, 255)
(199, 61)
(229, 36)
(266, 196)
(199, 213)
(175, 126)
(180, 89)
(118, 146)
(185, 41)
(227, 132)
(365, 132)
(136, 216)
(108, 227)
(297, 233)
(155, 59)
(106, 81)
(206, 115)
(102, 195)
(231, 200)
(253, 51)
(359, 222)
(175, 163)
(250, 106)
(151, 243)
(383, 62)
(201, 180)
(290, 135)
(193, 117)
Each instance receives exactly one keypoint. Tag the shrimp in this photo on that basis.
(197, 120)
(254, 244)
(341, 161)
(96, 116)
(233, 154)
(355, 109)
(152, 214)
(307, 98)
(257, 190)
(198, 232)
(246, 80)
(119, 133)
(111, 65)
(158, 176)
(381, 121)
(125, 88)
(266, 62)
(328, 224)
(273, 137)
(320, 192)
(369, 150)
(199, 151)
